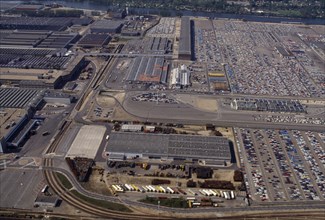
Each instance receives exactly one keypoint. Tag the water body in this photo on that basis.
(142, 11)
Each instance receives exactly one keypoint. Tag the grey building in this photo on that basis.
(211, 149)
(106, 26)
(185, 40)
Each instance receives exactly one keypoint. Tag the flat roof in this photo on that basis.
(17, 98)
(171, 145)
(185, 36)
(107, 24)
(87, 142)
(7, 117)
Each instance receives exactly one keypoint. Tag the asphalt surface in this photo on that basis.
(19, 187)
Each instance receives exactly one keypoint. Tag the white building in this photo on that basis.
(180, 77)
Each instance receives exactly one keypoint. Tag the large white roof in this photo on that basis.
(87, 142)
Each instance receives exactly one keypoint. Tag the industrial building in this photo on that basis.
(58, 40)
(28, 7)
(180, 77)
(32, 58)
(46, 201)
(132, 128)
(148, 70)
(87, 142)
(185, 40)
(11, 121)
(159, 45)
(267, 105)
(22, 38)
(42, 78)
(208, 149)
(16, 110)
(94, 40)
(35, 23)
(18, 98)
(218, 81)
(106, 26)
(55, 98)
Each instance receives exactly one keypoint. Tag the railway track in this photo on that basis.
(71, 199)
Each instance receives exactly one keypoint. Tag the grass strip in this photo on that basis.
(65, 182)
(172, 202)
(102, 203)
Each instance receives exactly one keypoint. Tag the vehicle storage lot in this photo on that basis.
(282, 59)
(283, 165)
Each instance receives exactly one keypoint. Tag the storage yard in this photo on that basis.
(282, 165)
(176, 111)
(165, 28)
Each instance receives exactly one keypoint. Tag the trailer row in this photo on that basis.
(172, 190)
(147, 188)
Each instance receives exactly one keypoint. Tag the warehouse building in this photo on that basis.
(209, 149)
(94, 40)
(87, 142)
(149, 70)
(185, 40)
(46, 201)
(22, 38)
(58, 40)
(106, 26)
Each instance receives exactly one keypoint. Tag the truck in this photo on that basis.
(45, 133)
(232, 194)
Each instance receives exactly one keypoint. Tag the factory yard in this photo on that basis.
(150, 109)
(284, 59)
(282, 165)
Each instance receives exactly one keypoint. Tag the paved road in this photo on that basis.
(286, 206)
(126, 54)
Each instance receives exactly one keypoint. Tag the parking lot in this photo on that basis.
(282, 165)
(165, 28)
(290, 69)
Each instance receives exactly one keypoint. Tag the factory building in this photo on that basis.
(149, 70)
(210, 150)
(267, 105)
(185, 40)
(180, 77)
(106, 26)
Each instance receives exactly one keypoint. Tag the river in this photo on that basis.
(142, 11)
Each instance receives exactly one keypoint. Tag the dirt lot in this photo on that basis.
(95, 184)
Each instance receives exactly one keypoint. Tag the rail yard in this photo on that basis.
(107, 114)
